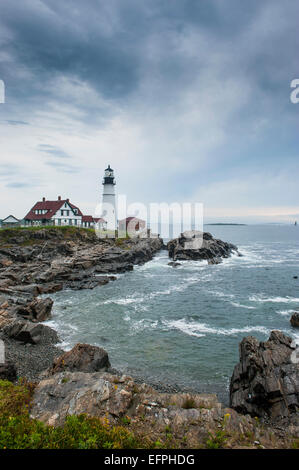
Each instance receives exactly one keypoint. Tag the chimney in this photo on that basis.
(59, 198)
(68, 200)
(44, 199)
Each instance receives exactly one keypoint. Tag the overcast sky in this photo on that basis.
(188, 100)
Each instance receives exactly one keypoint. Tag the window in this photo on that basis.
(61, 212)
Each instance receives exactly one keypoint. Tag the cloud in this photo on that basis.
(185, 99)
(62, 167)
(52, 150)
(16, 123)
(19, 185)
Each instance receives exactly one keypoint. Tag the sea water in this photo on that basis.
(182, 326)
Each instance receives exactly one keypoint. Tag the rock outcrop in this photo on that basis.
(82, 358)
(184, 420)
(196, 245)
(295, 320)
(265, 383)
(48, 260)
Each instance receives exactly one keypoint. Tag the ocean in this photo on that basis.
(182, 326)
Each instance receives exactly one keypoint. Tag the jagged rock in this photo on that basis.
(24, 331)
(196, 245)
(295, 320)
(50, 288)
(174, 264)
(8, 372)
(31, 289)
(6, 314)
(265, 382)
(40, 309)
(103, 394)
(191, 418)
(83, 358)
(56, 260)
(214, 261)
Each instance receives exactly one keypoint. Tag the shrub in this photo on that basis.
(19, 431)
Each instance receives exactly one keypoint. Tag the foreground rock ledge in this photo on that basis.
(265, 383)
(196, 245)
(187, 419)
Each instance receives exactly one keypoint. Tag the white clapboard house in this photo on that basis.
(58, 213)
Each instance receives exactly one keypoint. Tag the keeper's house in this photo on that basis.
(58, 213)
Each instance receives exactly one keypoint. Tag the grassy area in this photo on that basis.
(63, 228)
(19, 431)
(27, 233)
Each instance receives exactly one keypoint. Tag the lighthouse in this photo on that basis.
(108, 199)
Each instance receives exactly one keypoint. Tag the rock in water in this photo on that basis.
(265, 382)
(295, 320)
(41, 309)
(83, 358)
(196, 245)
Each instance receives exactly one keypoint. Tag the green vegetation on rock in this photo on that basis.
(19, 431)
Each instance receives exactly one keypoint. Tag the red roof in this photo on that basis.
(90, 218)
(51, 206)
(87, 218)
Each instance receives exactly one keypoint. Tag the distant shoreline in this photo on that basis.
(219, 223)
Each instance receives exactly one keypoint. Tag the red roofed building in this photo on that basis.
(88, 221)
(132, 225)
(60, 212)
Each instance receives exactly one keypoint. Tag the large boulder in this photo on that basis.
(41, 309)
(24, 331)
(36, 310)
(196, 245)
(295, 320)
(83, 358)
(265, 383)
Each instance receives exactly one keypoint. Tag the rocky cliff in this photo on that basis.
(196, 245)
(77, 383)
(265, 382)
(45, 260)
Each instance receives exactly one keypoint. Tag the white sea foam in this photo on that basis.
(201, 329)
(123, 301)
(222, 295)
(237, 304)
(143, 324)
(262, 298)
(285, 312)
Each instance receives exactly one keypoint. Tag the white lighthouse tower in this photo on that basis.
(108, 200)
